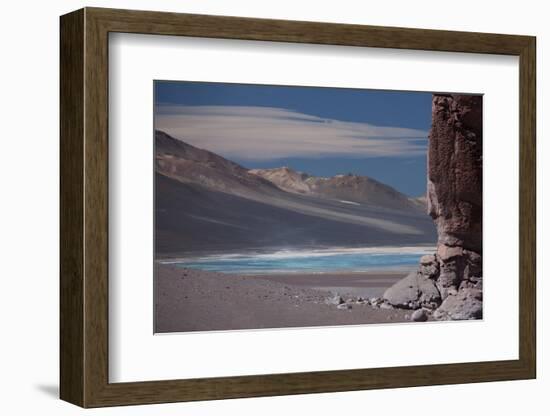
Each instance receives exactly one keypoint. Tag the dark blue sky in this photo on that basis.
(412, 110)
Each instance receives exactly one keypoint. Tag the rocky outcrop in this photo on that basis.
(455, 204)
(454, 170)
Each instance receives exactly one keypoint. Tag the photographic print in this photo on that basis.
(291, 206)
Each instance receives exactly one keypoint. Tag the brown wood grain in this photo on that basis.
(84, 207)
(527, 208)
(71, 208)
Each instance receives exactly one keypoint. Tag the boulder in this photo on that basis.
(445, 253)
(419, 315)
(429, 293)
(413, 292)
(466, 304)
(429, 266)
(403, 293)
(473, 264)
(428, 259)
(450, 274)
(472, 283)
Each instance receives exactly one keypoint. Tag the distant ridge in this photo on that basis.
(186, 163)
(206, 202)
(354, 188)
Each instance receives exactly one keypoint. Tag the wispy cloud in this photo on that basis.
(263, 133)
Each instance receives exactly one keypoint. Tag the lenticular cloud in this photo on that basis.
(263, 133)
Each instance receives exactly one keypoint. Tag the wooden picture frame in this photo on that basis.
(84, 207)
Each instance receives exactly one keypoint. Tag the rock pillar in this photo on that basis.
(455, 204)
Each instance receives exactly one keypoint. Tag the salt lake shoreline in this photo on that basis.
(195, 300)
(168, 258)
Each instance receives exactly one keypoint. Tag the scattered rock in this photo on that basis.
(344, 306)
(385, 306)
(335, 300)
(419, 315)
(376, 301)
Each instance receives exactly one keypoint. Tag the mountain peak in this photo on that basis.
(285, 178)
(343, 187)
(281, 170)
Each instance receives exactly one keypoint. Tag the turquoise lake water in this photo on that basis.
(318, 261)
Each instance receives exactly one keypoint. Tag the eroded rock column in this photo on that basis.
(455, 204)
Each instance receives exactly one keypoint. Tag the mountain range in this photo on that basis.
(204, 202)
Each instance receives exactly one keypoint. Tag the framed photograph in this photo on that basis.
(255, 207)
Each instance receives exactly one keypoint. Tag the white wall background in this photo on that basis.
(29, 205)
